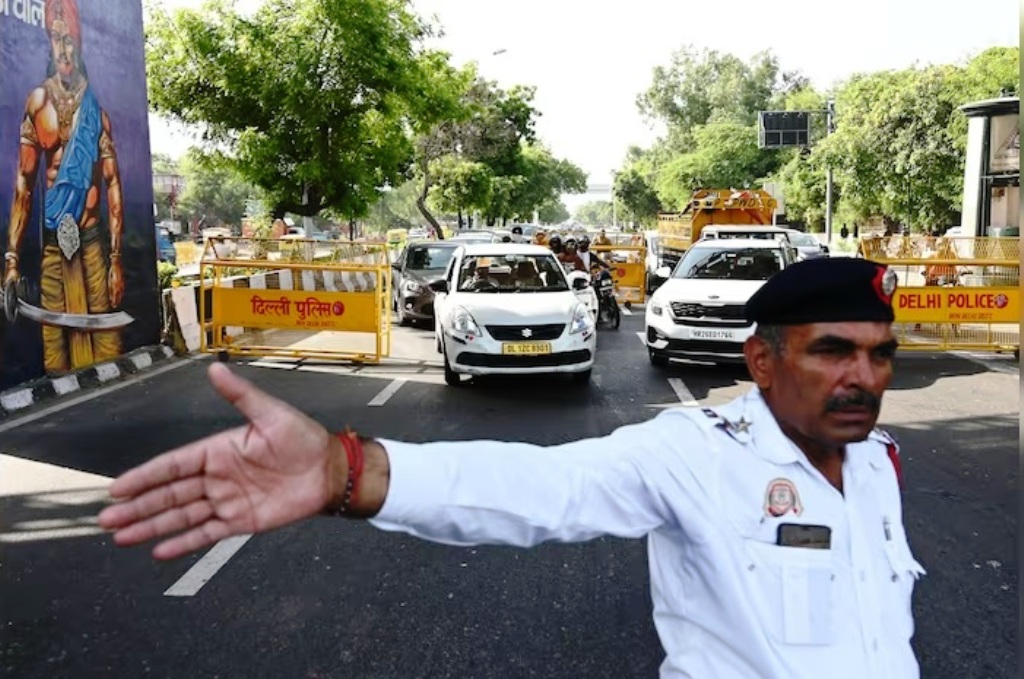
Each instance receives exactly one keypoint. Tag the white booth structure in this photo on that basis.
(992, 171)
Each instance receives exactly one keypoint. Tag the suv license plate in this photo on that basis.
(526, 348)
(712, 334)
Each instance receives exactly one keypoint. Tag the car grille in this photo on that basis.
(514, 333)
(726, 312)
(512, 361)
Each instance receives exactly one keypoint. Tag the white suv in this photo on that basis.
(699, 311)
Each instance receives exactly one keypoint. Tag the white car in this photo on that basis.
(699, 311)
(509, 309)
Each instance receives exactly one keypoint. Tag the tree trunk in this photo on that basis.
(421, 205)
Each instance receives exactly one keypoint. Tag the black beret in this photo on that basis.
(825, 290)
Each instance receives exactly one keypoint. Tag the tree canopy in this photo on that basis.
(897, 152)
(314, 101)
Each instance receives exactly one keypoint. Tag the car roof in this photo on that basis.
(434, 243)
(506, 249)
(730, 243)
(754, 228)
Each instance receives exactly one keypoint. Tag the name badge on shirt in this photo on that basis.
(803, 535)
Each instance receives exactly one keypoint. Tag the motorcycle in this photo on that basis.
(607, 306)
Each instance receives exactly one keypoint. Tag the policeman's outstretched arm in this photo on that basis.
(283, 467)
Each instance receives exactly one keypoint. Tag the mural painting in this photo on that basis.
(76, 216)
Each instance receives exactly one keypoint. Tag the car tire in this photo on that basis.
(582, 378)
(451, 378)
(403, 320)
(656, 359)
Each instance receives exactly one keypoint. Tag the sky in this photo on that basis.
(590, 60)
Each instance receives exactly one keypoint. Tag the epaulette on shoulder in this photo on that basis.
(884, 436)
(892, 450)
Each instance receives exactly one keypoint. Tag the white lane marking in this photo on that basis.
(682, 392)
(207, 567)
(625, 311)
(7, 426)
(388, 391)
(643, 338)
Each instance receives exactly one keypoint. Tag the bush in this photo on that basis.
(165, 272)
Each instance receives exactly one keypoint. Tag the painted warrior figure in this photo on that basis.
(65, 128)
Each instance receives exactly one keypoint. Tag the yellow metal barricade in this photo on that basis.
(296, 299)
(954, 293)
(628, 264)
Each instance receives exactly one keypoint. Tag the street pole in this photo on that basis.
(611, 190)
(828, 177)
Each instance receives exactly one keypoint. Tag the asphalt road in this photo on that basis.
(331, 598)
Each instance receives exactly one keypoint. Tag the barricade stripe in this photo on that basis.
(258, 281)
(286, 281)
(329, 281)
(308, 280)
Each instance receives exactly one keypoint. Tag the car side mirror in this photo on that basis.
(439, 285)
(580, 284)
(663, 272)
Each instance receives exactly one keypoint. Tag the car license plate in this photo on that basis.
(726, 335)
(526, 348)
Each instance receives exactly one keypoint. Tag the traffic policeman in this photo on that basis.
(774, 523)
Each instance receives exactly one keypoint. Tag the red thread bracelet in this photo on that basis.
(354, 452)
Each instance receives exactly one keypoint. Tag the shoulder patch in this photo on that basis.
(892, 451)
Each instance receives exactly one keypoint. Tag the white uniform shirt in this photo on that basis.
(728, 602)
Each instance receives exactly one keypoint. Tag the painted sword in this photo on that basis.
(14, 306)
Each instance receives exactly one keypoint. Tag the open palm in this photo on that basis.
(273, 471)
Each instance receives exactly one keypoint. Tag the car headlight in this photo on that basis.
(412, 287)
(463, 322)
(581, 320)
(656, 309)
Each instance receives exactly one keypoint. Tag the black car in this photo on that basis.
(418, 265)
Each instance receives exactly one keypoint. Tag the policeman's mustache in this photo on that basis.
(859, 398)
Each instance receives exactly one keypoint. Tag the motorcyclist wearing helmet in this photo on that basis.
(555, 243)
(590, 259)
(568, 256)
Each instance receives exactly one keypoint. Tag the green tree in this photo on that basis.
(595, 213)
(637, 195)
(703, 86)
(489, 127)
(900, 142)
(553, 212)
(543, 179)
(315, 101)
(461, 185)
(214, 190)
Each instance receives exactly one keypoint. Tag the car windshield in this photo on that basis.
(511, 273)
(422, 257)
(803, 240)
(745, 264)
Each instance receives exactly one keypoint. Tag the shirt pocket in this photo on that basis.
(901, 573)
(796, 588)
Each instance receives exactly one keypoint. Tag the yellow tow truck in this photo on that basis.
(720, 207)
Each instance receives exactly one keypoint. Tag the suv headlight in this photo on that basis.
(412, 287)
(463, 322)
(581, 321)
(656, 309)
